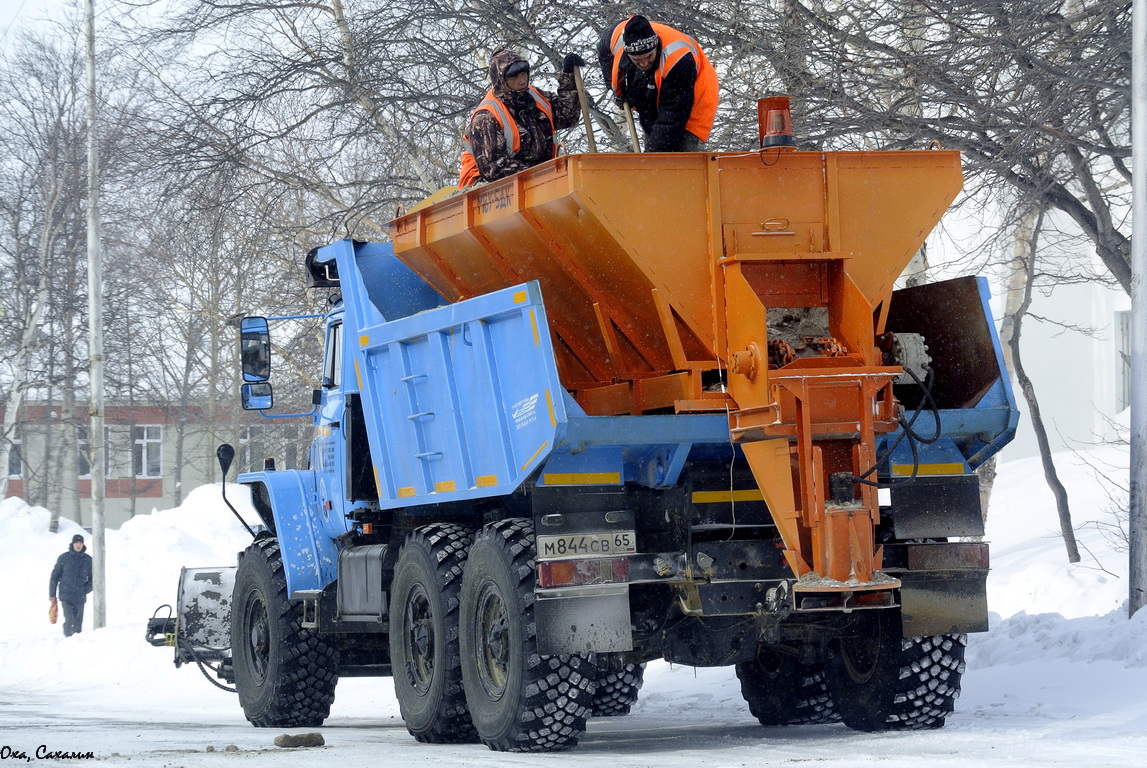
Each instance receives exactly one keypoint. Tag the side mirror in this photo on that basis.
(255, 349)
(257, 396)
(225, 454)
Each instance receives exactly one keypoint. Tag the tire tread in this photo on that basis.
(447, 546)
(307, 675)
(557, 691)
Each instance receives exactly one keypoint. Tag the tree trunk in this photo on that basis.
(1049, 471)
(29, 339)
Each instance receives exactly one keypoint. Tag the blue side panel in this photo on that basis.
(310, 557)
(1004, 396)
(394, 288)
(942, 453)
(596, 465)
(647, 450)
(375, 283)
(999, 398)
(467, 398)
(970, 436)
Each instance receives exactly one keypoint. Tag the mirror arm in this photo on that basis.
(226, 454)
(266, 415)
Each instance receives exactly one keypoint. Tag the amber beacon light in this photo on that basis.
(774, 122)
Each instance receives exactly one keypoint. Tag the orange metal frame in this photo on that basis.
(659, 268)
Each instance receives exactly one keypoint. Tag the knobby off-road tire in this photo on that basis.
(881, 681)
(424, 634)
(616, 690)
(285, 675)
(519, 700)
(780, 689)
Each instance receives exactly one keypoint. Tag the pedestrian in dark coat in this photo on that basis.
(72, 580)
(513, 127)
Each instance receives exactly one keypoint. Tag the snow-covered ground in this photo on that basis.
(1061, 678)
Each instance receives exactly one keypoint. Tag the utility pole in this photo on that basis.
(95, 336)
(1137, 522)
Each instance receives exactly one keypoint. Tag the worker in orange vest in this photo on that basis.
(665, 77)
(513, 127)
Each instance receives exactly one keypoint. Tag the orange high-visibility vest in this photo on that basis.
(494, 106)
(674, 46)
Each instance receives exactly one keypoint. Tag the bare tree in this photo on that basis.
(1035, 93)
(1028, 389)
(41, 124)
(264, 127)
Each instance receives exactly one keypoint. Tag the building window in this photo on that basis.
(147, 451)
(1122, 360)
(84, 451)
(15, 460)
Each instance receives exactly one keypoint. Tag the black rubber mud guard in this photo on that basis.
(937, 506)
(944, 586)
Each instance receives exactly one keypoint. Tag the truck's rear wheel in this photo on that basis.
(424, 634)
(881, 681)
(519, 700)
(782, 689)
(285, 675)
(616, 690)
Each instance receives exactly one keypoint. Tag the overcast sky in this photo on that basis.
(16, 13)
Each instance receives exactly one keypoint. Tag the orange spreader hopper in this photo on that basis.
(658, 271)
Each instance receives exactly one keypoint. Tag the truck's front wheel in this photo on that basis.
(285, 675)
(881, 681)
(424, 634)
(520, 701)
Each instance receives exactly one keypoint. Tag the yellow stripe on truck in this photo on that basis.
(724, 497)
(903, 470)
(582, 478)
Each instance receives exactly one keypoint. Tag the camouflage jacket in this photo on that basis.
(495, 160)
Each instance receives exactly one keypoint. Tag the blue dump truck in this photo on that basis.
(566, 428)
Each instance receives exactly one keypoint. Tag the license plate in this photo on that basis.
(587, 544)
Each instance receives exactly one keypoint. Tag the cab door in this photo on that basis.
(330, 445)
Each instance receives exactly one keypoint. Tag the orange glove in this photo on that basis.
(53, 610)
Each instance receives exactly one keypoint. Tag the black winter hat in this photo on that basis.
(639, 36)
(78, 538)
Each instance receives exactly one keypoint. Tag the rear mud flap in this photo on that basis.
(944, 586)
(938, 506)
(944, 603)
(586, 624)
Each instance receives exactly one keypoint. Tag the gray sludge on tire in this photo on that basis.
(519, 700)
(285, 675)
(617, 690)
(426, 666)
(881, 681)
(782, 688)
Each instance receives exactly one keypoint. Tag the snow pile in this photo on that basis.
(1043, 607)
(1029, 562)
(143, 559)
(1023, 637)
